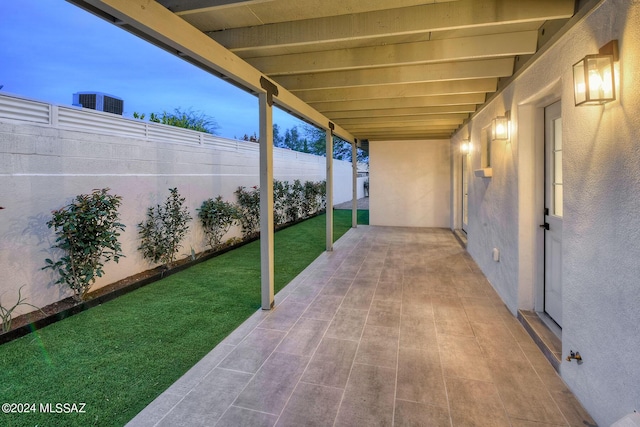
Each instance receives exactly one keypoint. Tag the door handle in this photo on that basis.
(545, 225)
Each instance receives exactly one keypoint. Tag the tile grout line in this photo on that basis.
(544, 384)
(395, 386)
(253, 376)
(371, 246)
(446, 388)
(351, 249)
(217, 366)
(270, 354)
(353, 362)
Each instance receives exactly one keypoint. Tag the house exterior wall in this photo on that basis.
(601, 169)
(409, 183)
(42, 168)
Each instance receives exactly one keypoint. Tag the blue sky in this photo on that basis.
(50, 49)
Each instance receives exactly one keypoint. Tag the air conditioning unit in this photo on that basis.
(99, 101)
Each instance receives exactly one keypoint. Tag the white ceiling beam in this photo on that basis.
(410, 20)
(261, 12)
(191, 6)
(400, 126)
(404, 137)
(434, 129)
(413, 132)
(403, 129)
(453, 109)
(426, 119)
(408, 130)
(487, 68)
(392, 136)
(383, 104)
(400, 90)
(445, 50)
(159, 25)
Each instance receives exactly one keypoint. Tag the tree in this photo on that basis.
(318, 140)
(311, 140)
(188, 119)
(294, 141)
(341, 148)
(250, 138)
(278, 140)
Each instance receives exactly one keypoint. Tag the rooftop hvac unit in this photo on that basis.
(99, 101)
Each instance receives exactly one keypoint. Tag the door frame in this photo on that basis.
(530, 159)
(539, 205)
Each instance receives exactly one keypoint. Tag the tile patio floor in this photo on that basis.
(396, 326)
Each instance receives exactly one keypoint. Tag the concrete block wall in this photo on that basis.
(43, 168)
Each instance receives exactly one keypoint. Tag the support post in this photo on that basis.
(354, 202)
(329, 137)
(266, 200)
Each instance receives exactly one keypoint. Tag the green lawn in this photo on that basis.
(117, 357)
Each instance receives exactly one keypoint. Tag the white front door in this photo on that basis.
(553, 213)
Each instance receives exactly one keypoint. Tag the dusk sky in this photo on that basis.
(50, 49)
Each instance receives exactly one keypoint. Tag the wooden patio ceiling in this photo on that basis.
(378, 69)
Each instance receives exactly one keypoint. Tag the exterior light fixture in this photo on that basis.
(500, 127)
(593, 76)
(465, 146)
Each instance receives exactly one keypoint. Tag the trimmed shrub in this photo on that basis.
(249, 208)
(166, 226)
(290, 203)
(314, 197)
(87, 232)
(217, 216)
(294, 201)
(281, 191)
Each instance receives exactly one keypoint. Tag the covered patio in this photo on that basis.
(395, 326)
(360, 71)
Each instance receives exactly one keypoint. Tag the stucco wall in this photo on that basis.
(43, 168)
(409, 183)
(601, 169)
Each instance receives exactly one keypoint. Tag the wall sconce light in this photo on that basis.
(465, 146)
(500, 127)
(593, 76)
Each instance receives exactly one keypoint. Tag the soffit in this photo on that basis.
(383, 69)
(397, 69)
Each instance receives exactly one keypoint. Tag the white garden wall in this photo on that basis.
(601, 169)
(43, 167)
(409, 183)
